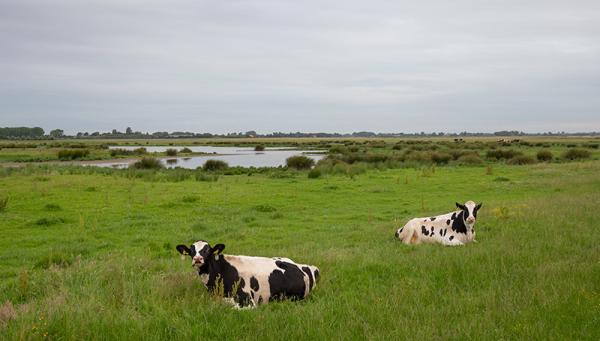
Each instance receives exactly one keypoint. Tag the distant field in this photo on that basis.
(19, 152)
(89, 254)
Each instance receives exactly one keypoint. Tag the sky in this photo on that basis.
(311, 66)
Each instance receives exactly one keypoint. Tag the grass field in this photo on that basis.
(86, 255)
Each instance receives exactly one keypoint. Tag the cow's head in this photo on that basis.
(469, 211)
(200, 252)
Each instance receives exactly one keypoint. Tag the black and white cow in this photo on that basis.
(454, 228)
(255, 280)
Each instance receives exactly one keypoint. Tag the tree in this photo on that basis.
(57, 133)
(128, 131)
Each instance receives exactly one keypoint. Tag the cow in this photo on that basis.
(454, 228)
(249, 281)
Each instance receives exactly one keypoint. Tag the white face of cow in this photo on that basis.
(200, 252)
(469, 211)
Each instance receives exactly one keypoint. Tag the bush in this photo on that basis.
(3, 203)
(314, 173)
(470, 159)
(521, 160)
(544, 155)
(591, 145)
(171, 152)
(119, 151)
(576, 154)
(186, 150)
(215, 165)
(72, 154)
(147, 163)
(440, 158)
(259, 148)
(300, 162)
(499, 154)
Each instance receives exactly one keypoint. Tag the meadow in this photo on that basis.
(90, 254)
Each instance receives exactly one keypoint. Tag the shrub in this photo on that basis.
(470, 159)
(501, 179)
(259, 148)
(3, 203)
(591, 145)
(544, 155)
(186, 150)
(338, 149)
(72, 154)
(171, 152)
(521, 160)
(215, 165)
(119, 151)
(314, 173)
(576, 154)
(299, 162)
(147, 163)
(502, 154)
(440, 158)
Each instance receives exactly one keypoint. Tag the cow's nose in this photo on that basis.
(471, 220)
(197, 260)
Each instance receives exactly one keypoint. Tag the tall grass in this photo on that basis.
(72, 154)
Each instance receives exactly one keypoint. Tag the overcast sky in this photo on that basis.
(334, 66)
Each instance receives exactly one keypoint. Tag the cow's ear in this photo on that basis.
(462, 207)
(184, 250)
(217, 249)
(479, 206)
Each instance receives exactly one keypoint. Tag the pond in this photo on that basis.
(234, 156)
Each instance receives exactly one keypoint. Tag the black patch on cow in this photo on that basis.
(220, 271)
(254, 283)
(451, 237)
(432, 230)
(453, 216)
(317, 275)
(252, 294)
(311, 282)
(448, 222)
(287, 282)
(458, 225)
(432, 218)
(424, 230)
(397, 234)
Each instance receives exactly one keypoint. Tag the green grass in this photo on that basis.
(91, 256)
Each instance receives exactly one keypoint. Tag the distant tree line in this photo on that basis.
(38, 133)
(12, 132)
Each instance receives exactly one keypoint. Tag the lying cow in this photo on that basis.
(454, 228)
(250, 281)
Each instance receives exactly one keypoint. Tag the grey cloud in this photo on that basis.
(310, 65)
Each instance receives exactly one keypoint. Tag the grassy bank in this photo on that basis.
(91, 255)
